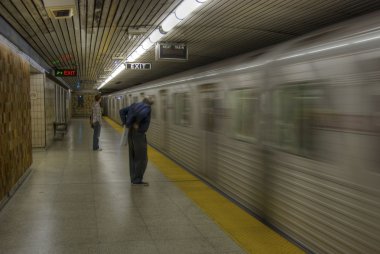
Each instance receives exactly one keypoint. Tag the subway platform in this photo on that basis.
(81, 201)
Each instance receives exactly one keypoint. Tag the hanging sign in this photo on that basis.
(138, 66)
(65, 72)
(171, 51)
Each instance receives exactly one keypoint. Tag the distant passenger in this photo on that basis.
(96, 122)
(136, 118)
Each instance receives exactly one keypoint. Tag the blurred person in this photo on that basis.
(96, 122)
(136, 118)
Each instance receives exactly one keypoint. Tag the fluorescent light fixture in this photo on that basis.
(105, 82)
(114, 74)
(147, 44)
(118, 70)
(140, 50)
(186, 7)
(170, 22)
(155, 36)
(130, 59)
(135, 55)
(181, 12)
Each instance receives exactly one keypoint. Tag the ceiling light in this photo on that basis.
(170, 22)
(108, 80)
(183, 10)
(186, 7)
(140, 50)
(135, 55)
(155, 36)
(147, 44)
(101, 85)
(130, 59)
(118, 70)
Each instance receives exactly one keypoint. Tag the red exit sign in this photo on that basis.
(65, 73)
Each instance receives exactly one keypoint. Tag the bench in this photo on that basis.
(60, 130)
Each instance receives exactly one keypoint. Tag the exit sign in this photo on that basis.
(138, 66)
(65, 72)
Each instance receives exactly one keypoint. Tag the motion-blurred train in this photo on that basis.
(290, 132)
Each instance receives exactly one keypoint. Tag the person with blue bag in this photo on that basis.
(136, 118)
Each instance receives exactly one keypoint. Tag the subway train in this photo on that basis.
(290, 132)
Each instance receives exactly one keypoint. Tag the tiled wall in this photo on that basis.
(15, 119)
(62, 105)
(68, 106)
(42, 96)
(37, 95)
(49, 110)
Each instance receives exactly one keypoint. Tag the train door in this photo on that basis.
(114, 107)
(120, 106)
(125, 101)
(208, 96)
(164, 123)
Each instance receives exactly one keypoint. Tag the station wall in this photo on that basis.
(15, 119)
(43, 110)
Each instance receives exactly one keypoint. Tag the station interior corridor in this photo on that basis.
(81, 201)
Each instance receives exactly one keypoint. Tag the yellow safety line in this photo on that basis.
(251, 234)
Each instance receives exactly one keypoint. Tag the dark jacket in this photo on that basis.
(138, 113)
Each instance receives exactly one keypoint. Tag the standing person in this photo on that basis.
(96, 122)
(136, 118)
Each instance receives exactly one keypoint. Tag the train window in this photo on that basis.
(245, 113)
(135, 99)
(295, 109)
(182, 109)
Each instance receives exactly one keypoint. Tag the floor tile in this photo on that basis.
(115, 233)
(80, 201)
(128, 247)
(224, 244)
(189, 246)
(167, 232)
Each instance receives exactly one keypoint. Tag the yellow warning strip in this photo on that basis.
(251, 234)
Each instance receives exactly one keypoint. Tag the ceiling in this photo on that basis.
(100, 30)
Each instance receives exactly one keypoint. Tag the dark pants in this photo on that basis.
(95, 138)
(138, 155)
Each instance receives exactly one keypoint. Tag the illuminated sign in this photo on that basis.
(171, 51)
(65, 72)
(138, 66)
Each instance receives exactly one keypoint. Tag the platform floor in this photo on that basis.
(80, 201)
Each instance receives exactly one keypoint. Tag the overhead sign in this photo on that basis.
(138, 66)
(65, 72)
(171, 51)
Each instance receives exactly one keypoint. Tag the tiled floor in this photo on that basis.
(80, 201)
